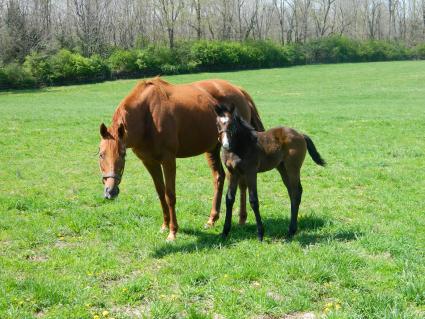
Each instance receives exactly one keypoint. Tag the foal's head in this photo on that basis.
(112, 158)
(232, 127)
(225, 126)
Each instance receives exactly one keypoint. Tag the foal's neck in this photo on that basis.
(243, 141)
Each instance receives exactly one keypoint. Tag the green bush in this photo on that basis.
(418, 52)
(39, 66)
(332, 50)
(14, 76)
(123, 62)
(214, 55)
(68, 67)
(383, 51)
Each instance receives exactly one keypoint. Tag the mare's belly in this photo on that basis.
(197, 133)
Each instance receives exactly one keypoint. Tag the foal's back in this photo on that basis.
(277, 145)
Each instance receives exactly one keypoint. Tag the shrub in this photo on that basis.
(214, 55)
(419, 51)
(123, 63)
(39, 66)
(68, 67)
(14, 76)
(383, 51)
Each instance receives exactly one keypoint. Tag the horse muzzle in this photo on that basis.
(111, 193)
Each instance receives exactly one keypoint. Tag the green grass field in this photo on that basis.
(359, 253)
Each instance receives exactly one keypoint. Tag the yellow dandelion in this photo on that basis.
(96, 317)
(337, 306)
(105, 313)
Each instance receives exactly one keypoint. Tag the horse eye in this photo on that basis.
(101, 155)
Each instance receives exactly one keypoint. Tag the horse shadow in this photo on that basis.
(276, 229)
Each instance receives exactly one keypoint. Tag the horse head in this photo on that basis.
(112, 151)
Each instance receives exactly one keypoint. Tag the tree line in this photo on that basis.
(97, 26)
(50, 42)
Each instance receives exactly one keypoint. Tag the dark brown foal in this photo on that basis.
(247, 152)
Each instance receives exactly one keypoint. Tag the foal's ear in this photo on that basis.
(220, 109)
(121, 131)
(104, 131)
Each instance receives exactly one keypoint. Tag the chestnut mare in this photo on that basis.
(160, 121)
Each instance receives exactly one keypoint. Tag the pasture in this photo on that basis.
(65, 252)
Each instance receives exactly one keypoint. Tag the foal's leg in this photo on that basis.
(214, 163)
(230, 200)
(155, 171)
(242, 209)
(251, 179)
(290, 174)
(169, 167)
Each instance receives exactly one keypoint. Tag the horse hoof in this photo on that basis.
(163, 229)
(209, 224)
(171, 237)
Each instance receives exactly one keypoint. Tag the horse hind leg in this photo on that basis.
(253, 201)
(291, 178)
(218, 174)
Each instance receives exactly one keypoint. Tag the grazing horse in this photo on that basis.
(160, 121)
(246, 152)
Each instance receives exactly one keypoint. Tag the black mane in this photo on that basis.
(242, 135)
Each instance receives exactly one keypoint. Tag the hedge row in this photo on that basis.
(66, 67)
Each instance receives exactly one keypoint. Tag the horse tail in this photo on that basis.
(255, 117)
(313, 151)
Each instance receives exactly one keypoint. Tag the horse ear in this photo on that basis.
(232, 108)
(221, 109)
(104, 131)
(121, 131)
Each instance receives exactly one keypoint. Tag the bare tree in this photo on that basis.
(90, 16)
(169, 11)
(280, 9)
(321, 17)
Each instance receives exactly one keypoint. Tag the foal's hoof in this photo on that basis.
(291, 233)
(209, 224)
(163, 229)
(171, 237)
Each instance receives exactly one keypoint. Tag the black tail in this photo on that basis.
(313, 151)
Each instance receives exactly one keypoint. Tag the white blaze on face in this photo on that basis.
(224, 139)
(224, 119)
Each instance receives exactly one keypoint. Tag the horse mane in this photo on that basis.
(243, 126)
(134, 95)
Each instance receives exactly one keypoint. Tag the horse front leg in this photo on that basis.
(218, 174)
(242, 208)
(169, 167)
(253, 201)
(154, 169)
(230, 200)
